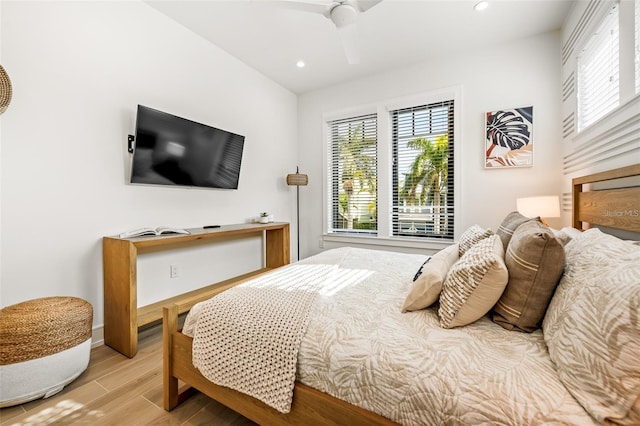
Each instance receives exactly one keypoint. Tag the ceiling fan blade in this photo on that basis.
(305, 6)
(349, 37)
(364, 5)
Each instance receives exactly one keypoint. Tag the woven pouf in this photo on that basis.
(44, 345)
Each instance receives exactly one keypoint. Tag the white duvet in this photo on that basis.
(360, 348)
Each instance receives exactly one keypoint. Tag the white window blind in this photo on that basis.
(353, 175)
(598, 72)
(637, 55)
(422, 146)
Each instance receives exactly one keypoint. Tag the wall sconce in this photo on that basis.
(298, 179)
(546, 206)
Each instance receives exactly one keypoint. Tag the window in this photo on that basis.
(390, 173)
(598, 72)
(352, 155)
(422, 144)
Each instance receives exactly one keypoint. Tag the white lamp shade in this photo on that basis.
(546, 206)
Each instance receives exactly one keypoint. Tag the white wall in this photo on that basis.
(521, 73)
(78, 70)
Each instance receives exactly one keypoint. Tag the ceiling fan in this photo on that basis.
(344, 15)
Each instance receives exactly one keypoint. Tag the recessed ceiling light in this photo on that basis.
(300, 64)
(481, 6)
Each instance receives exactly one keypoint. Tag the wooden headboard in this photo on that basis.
(615, 208)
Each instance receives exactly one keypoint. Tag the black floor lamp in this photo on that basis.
(297, 179)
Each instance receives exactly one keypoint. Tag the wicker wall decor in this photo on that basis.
(5, 90)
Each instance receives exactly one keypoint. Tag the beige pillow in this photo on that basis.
(535, 261)
(426, 287)
(471, 236)
(592, 326)
(474, 284)
(509, 224)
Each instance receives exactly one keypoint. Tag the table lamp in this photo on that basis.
(545, 206)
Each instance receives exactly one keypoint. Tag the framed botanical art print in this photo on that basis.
(509, 138)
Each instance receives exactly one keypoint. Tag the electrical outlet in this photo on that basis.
(174, 271)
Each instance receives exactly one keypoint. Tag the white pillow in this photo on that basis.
(427, 286)
(592, 326)
(571, 232)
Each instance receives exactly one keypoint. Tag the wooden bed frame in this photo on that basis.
(617, 208)
(309, 407)
(614, 208)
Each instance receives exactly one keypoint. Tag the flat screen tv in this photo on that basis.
(171, 150)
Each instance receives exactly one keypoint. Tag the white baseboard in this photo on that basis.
(97, 336)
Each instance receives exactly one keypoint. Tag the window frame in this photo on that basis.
(383, 109)
(449, 105)
(334, 190)
(627, 110)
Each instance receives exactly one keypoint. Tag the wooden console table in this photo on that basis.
(122, 316)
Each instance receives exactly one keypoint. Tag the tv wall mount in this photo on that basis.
(130, 143)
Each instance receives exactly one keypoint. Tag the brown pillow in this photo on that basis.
(427, 284)
(535, 261)
(510, 224)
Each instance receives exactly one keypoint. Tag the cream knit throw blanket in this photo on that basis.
(247, 338)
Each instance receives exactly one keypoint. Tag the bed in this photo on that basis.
(419, 362)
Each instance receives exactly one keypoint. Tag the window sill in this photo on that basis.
(613, 120)
(417, 243)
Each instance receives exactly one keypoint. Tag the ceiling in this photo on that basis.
(271, 36)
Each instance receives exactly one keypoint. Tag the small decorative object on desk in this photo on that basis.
(264, 217)
(153, 231)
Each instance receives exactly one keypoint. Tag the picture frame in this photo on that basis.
(509, 138)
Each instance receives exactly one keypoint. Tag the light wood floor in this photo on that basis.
(116, 390)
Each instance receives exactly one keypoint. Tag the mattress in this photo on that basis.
(359, 347)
